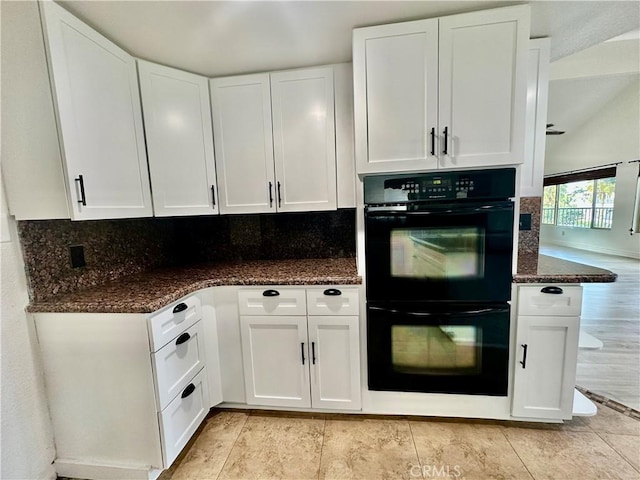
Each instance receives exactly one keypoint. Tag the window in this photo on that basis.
(583, 200)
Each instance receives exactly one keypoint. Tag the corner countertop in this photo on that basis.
(556, 270)
(149, 291)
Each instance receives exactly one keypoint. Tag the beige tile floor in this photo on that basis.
(611, 313)
(268, 445)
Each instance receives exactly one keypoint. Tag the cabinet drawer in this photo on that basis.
(272, 301)
(182, 417)
(165, 325)
(332, 301)
(532, 300)
(177, 362)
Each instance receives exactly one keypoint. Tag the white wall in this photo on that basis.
(26, 441)
(611, 135)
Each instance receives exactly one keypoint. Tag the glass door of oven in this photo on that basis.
(458, 350)
(447, 252)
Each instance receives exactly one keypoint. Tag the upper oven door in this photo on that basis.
(452, 252)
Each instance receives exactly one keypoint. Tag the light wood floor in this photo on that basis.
(611, 313)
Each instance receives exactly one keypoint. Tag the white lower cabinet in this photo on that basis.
(335, 362)
(182, 417)
(299, 360)
(176, 363)
(546, 354)
(126, 391)
(275, 360)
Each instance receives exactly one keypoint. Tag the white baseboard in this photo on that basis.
(91, 471)
(594, 248)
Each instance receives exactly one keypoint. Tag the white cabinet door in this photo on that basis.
(177, 120)
(241, 108)
(532, 171)
(396, 96)
(545, 369)
(482, 87)
(100, 122)
(335, 362)
(276, 360)
(304, 139)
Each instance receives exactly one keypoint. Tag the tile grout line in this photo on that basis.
(614, 448)
(233, 446)
(324, 429)
(609, 402)
(517, 454)
(415, 447)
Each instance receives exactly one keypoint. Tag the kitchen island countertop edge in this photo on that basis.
(547, 269)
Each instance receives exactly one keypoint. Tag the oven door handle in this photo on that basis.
(477, 311)
(449, 209)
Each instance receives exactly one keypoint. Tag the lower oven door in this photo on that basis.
(445, 349)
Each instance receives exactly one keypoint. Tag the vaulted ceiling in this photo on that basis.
(217, 38)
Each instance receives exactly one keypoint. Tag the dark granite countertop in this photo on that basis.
(556, 270)
(149, 291)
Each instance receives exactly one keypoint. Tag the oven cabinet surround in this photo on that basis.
(532, 170)
(127, 391)
(300, 346)
(546, 350)
(177, 122)
(446, 92)
(97, 100)
(275, 141)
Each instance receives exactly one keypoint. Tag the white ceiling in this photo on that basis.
(217, 38)
(574, 101)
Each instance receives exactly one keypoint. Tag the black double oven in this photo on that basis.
(439, 252)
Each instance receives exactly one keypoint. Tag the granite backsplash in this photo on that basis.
(529, 240)
(116, 248)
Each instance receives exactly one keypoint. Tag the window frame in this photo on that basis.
(566, 178)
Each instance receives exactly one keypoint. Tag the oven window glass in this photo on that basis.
(450, 252)
(436, 350)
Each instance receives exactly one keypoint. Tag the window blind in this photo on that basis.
(580, 176)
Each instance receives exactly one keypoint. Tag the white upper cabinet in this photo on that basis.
(241, 108)
(100, 120)
(304, 139)
(483, 86)
(532, 170)
(396, 96)
(345, 159)
(274, 138)
(177, 120)
(441, 93)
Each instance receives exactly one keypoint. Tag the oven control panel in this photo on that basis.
(475, 185)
